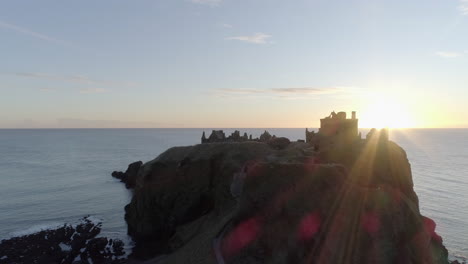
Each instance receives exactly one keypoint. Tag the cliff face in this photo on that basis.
(182, 185)
(250, 203)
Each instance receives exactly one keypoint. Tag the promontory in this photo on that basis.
(335, 197)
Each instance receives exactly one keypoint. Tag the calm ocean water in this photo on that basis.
(51, 177)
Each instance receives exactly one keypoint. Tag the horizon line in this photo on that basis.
(64, 128)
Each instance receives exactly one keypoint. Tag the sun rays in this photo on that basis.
(386, 112)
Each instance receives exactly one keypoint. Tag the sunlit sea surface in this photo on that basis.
(52, 177)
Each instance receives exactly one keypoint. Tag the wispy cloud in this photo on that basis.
(448, 54)
(46, 89)
(463, 7)
(71, 78)
(32, 33)
(306, 90)
(207, 2)
(257, 38)
(281, 92)
(93, 90)
(90, 123)
(225, 25)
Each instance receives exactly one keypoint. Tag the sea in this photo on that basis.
(51, 177)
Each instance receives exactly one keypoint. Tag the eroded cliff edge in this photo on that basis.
(253, 202)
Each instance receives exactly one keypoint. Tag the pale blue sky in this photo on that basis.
(230, 63)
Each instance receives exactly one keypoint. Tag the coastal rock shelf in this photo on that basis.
(65, 244)
(349, 201)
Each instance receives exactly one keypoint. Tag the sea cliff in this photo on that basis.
(257, 202)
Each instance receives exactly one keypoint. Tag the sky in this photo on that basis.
(232, 63)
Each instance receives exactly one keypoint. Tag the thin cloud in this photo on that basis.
(448, 54)
(463, 7)
(227, 25)
(280, 92)
(306, 90)
(31, 33)
(257, 38)
(89, 123)
(46, 89)
(93, 90)
(207, 2)
(71, 78)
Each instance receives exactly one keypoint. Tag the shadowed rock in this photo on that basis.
(278, 142)
(129, 176)
(66, 244)
(286, 204)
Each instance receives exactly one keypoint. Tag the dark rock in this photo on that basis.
(100, 250)
(189, 201)
(117, 247)
(367, 213)
(129, 176)
(353, 204)
(265, 136)
(279, 142)
(119, 175)
(169, 195)
(66, 244)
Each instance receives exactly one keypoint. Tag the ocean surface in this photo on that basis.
(49, 177)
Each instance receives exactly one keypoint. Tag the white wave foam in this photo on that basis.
(51, 226)
(456, 256)
(36, 229)
(95, 220)
(127, 241)
(65, 247)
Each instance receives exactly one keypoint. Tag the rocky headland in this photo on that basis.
(294, 202)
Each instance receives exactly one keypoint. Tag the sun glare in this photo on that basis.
(384, 113)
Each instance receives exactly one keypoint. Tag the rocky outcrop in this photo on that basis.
(278, 142)
(198, 178)
(66, 244)
(265, 136)
(281, 203)
(129, 176)
(314, 214)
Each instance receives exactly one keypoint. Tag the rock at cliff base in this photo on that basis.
(65, 244)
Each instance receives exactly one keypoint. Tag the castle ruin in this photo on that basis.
(219, 136)
(335, 129)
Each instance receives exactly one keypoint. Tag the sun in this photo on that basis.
(385, 113)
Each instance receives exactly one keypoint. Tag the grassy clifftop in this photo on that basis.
(252, 203)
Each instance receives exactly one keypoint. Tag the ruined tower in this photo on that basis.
(335, 129)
